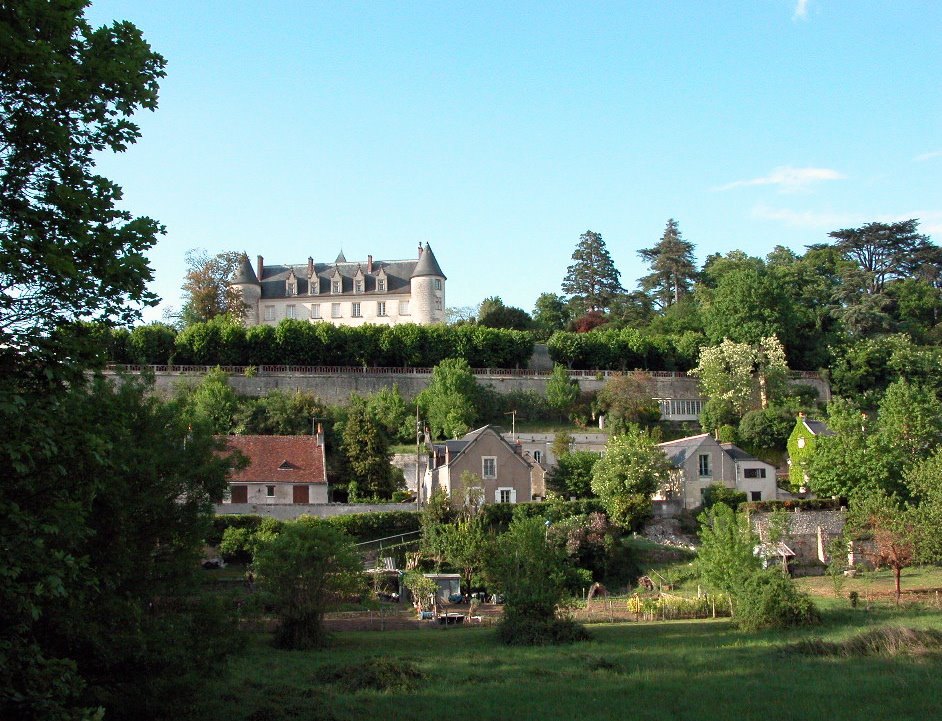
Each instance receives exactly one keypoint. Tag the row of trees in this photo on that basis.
(225, 341)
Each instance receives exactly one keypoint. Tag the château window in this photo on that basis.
(269, 312)
(403, 307)
(438, 304)
(381, 308)
(316, 310)
(381, 285)
(291, 311)
(335, 286)
(291, 288)
(356, 310)
(335, 310)
(358, 286)
(438, 284)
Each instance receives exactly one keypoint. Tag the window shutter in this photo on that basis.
(497, 496)
(513, 495)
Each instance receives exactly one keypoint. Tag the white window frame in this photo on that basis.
(269, 491)
(336, 286)
(381, 285)
(505, 494)
(355, 310)
(316, 311)
(438, 284)
(404, 307)
(358, 286)
(537, 456)
(269, 312)
(753, 473)
(335, 311)
(381, 309)
(485, 462)
(291, 311)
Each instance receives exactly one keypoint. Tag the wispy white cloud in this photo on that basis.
(803, 219)
(928, 156)
(801, 10)
(787, 178)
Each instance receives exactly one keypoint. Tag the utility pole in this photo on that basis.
(418, 436)
(513, 423)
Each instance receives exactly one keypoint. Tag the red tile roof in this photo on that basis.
(279, 459)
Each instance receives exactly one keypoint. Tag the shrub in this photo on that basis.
(718, 493)
(515, 630)
(769, 599)
(375, 674)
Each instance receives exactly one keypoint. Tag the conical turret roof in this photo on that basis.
(427, 265)
(245, 274)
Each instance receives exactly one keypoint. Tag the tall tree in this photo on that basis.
(746, 305)
(366, 447)
(67, 252)
(592, 281)
(882, 250)
(206, 289)
(492, 313)
(747, 375)
(450, 400)
(672, 267)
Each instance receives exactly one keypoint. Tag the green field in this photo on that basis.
(668, 670)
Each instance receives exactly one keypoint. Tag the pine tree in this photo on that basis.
(592, 281)
(672, 266)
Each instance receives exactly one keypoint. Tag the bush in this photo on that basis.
(515, 630)
(797, 504)
(240, 543)
(373, 526)
(769, 599)
(718, 493)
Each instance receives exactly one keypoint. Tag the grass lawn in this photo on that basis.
(673, 670)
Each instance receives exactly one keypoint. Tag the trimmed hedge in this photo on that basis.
(222, 341)
(625, 349)
(499, 515)
(360, 526)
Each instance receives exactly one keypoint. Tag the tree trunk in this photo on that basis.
(896, 574)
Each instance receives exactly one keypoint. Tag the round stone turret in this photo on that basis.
(245, 282)
(428, 290)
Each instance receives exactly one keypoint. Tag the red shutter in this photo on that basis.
(302, 494)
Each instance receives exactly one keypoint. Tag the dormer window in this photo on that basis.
(358, 286)
(359, 281)
(381, 281)
(335, 285)
(313, 285)
(291, 284)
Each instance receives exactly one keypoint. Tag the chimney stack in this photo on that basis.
(420, 250)
(310, 266)
(320, 435)
(260, 268)
(369, 264)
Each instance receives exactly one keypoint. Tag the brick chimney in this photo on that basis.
(369, 264)
(260, 268)
(310, 266)
(320, 435)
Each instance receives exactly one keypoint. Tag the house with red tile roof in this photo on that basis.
(281, 469)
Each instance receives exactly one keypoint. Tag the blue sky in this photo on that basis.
(499, 132)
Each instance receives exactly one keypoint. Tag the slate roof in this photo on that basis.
(279, 459)
(427, 264)
(737, 453)
(457, 447)
(245, 273)
(680, 450)
(819, 428)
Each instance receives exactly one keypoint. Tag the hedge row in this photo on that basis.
(295, 342)
(625, 349)
(499, 515)
(361, 527)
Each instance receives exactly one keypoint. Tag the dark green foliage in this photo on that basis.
(527, 631)
(450, 401)
(572, 474)
(550, 314)
(303, 572)
(366, 447)
(494, 314)
(887, 642)
(672, 267)
(769, 599)
(746, 306)
(716, 413)
(372, 526)
(498, 516)
(592, 280)
(718, 493)
(767, 428)
(531, 574)
(804, 504)
(626, 400)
